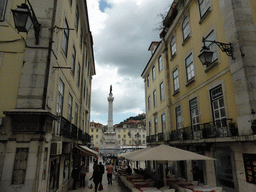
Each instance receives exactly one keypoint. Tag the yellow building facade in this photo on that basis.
(208, 108)
(96, 132)
(45, 94)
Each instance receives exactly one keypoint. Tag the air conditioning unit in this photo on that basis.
(67, 148)
(56, 148)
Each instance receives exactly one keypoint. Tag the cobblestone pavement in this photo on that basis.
(115, 187)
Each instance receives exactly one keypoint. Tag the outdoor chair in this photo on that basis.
(164, 188)
(180, 189)
(169, 190)
(218, 189)
(195, 183)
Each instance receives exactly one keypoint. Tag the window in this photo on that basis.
(78, 74)
(70, 2)
(124, 136)
(20, 166)
(204, 6)
(91, 130)
(163, 123)
(176, 84)
(153, 73)
(154, 97)
(155, 124)
(124, 130)
(161, 91)
(2, 9)
(76, 114)
(97, 136)
(81, 39)
(218, 106)
(212, 46)
(97, 130)
(185, 28)
(60, 98)
(149, 103)
(190, 67)
(91, 136)
(70, 105)
(149, 128)
(148, 81)
(84, 87)
(65, 38)
(83, 122)
(160, 63)
(119, 136)
(178, 118)
(194, 113)
(173, 47)
(77, 19)
(130, 142)
(73, 64)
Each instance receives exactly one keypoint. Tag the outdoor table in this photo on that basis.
(141, 184)
(137, 180)
(201, 189)
(151, 189)
(130, 177)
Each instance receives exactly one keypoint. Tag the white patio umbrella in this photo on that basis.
(167, 153)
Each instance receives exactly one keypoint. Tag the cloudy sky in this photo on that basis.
(122, 32)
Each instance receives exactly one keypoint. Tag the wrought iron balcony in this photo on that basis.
(219, 128)
(160, 137)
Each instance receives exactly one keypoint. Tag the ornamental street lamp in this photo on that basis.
(24, 18)
(206, 54)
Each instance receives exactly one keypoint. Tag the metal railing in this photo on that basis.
(219, 128)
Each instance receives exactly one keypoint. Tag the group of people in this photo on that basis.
(97, 175)
(79, 173)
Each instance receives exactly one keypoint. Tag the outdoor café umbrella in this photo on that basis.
(167, 153)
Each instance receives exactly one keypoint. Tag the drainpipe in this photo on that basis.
(167, 75)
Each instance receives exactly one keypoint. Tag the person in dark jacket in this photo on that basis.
(96, 176)
(102, 170)
(75, 176)
(129, 170)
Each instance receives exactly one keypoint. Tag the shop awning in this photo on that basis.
(86, 150)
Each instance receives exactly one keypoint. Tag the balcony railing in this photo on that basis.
(71, 131)
(160, 137)
(219, 128)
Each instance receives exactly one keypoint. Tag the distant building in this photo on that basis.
(96, 131)
(131, 134)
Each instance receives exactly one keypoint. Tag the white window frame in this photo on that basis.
(190, 67)
(173, 47)
(153, 73)
(178, 117)
(154, 98)
(161, 86)
(70, 106)
(176, 84)
(65, 38)
(204, 7)
(186, 28)
(3, 5)
(212, 46)
(73, 63)
(160, 63)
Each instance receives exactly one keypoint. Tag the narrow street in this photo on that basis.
(116, 187)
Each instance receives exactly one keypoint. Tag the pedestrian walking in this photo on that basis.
(82, 171)
(96, 176)
(75, 176)
(102, 170)
(109, 173)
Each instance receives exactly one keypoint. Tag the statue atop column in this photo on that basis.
(110, 89)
